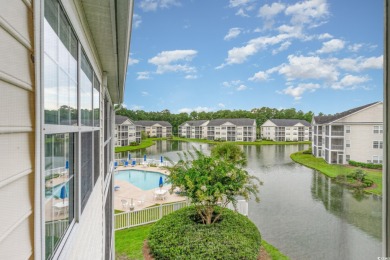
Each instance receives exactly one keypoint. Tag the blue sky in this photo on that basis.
(318, 55)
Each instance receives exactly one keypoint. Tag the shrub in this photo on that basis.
(179, 235)
(308, 151)
(365, 165)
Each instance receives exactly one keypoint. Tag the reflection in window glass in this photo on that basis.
(59, 191)
(60, 67)
(96, 101)
(86, 80)
(86, 168)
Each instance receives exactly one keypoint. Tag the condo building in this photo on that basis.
(356, 134)
(63, 67)
(155, 128)
(286, 130)
(236, 129)
(126, 132)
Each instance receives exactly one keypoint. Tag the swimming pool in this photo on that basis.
(144, 180)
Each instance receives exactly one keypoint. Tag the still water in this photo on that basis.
(301, 212)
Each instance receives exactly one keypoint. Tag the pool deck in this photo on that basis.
(128, 191)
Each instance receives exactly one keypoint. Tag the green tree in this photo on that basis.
(230, 152)
(209, 181)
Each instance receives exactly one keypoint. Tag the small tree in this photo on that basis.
(209, 181)
(231, 152)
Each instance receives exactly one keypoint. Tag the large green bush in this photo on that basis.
(181, 235)
(365, 165)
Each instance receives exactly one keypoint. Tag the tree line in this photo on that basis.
(260, 114)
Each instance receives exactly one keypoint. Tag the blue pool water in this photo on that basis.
(142, 179)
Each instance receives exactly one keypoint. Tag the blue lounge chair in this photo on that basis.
(133, 163)
(115, 165)
(126, 164)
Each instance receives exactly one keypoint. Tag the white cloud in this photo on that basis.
(238, 3)
(233, 33)
(259, 76)
(350, 81)
(232, 83)
(355, 47)
(167, 61)
(132, 61)
(143, 75)
(332, 46)
(269, 11)
(136, 20)
(197, 109)
(241, 13)
(238, 55)
(284, 46)
(325, 36)
(153, 5)
(360, 63)
(311, 67)
(191, 77)
(221, 105)
(307, 12)
(241, 88)
(136, 107)
(298, 91)
(144, 93)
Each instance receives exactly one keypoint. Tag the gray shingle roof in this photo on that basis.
(150, 123)
(289, 122)
(194, 122)
(121, 119)
(234, 121)
(331, 118)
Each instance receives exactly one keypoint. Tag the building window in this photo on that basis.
(347, 143)
(347, 129)
(60, 67)
(59, 190)
(377, 144)
(377, 159)
(347, 157)
(378, 129)
(86, 84)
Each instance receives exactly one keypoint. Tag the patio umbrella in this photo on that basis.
(145, 158)
(161, 159)
(63, 193)
(129, 156)
(160, 182)
(67, 165)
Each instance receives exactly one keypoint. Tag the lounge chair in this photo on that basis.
(126, 164)
(125, 204)
(115, 165)
(133, 163)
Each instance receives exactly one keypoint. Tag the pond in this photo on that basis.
(302, 213)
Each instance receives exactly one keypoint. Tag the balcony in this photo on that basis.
(337, 133)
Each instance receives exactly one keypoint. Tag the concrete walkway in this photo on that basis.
(141, 198)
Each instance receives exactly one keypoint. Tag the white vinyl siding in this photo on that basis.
(16, 131)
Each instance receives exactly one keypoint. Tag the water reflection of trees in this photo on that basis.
(356, 207)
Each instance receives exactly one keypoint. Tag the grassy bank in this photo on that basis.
(264, 142)
(129, 243)
(144, 144)
(333, 170)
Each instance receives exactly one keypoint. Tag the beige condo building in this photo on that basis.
(286, 130)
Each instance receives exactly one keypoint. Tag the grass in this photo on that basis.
(144, 144)
(273, 252)
(333, 170)
(129, 243)
(264, 142)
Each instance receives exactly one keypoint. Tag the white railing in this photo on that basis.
(141, 161)
(145, 216)
(149, 215)
(56, 228)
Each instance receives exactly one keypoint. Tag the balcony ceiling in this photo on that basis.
(110, 24)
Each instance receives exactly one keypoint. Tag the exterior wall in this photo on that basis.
(298, 132)
(17, 139)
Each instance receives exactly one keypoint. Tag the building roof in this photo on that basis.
(331, 118)
(110, 25)
(194, 122)
(234, 121)
(151, 123)
(289, 122)
(121, 119)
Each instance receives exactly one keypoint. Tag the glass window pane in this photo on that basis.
(96, 101)
(96, 155)
(59, 190)
(51, 91)
(86, 168)
(86, 80)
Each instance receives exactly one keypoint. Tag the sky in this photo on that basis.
(312, 55)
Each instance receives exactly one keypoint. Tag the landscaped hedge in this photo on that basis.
(179, 235)
(365, 165)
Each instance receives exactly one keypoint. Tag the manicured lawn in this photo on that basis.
(333, 170)
(144, 144)
(129, 243)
